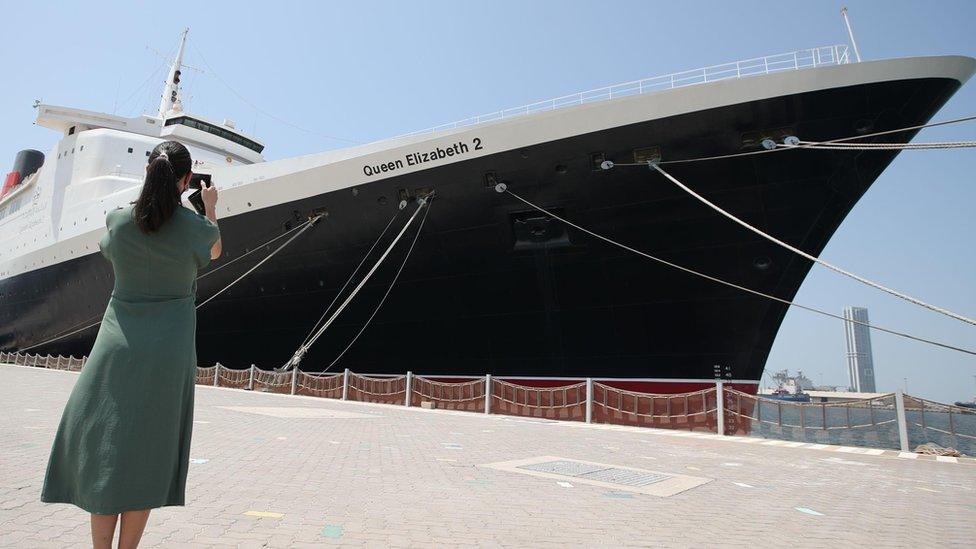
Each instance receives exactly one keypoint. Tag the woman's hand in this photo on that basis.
(209, 195)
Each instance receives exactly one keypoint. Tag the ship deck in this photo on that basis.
(272, 470)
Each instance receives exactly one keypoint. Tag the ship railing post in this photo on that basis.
(345, 384)
(902, 424)
(250, 382)
(294, 379)
(216, 374)
(720, 407)
(35, 359)
(487, 393)
(409, 388)
(589, 400)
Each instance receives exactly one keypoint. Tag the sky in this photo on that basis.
(309, 76)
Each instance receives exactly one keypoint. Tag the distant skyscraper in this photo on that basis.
(860, 364)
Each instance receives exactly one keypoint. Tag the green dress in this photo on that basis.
(124, 439)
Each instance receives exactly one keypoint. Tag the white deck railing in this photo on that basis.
(802, 59)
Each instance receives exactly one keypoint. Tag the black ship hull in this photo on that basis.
(493, 287)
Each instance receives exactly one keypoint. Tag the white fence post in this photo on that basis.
(294, 379)
(216, 374)
(720, 407)
(902, 424)
(250, 382)
(487, 393)
(406, 400)
(589, 400)
(345, 384)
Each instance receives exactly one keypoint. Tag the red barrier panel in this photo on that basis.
(388, 390)
(459, 395)
(566, 402)
(320, 385)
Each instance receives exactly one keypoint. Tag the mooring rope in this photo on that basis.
(788, 148)
(308, 224)
(826, 145)
(502, 188)
(385, 295)
(303, 349)
(252, 250)
(353, 275)
(831, 266)
(302, 227)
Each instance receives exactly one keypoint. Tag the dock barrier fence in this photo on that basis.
(894, 421)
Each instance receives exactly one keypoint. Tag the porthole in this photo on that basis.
(762, 263)
(561, 168)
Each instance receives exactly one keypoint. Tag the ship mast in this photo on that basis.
(170, 100)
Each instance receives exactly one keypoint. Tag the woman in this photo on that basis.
(123, 443)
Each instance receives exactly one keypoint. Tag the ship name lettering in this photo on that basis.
(380, 168)
(421, 157)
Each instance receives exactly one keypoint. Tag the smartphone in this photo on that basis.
(198, 181)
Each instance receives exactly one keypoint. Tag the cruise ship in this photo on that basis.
(491, 285)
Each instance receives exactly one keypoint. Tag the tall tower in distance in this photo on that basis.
(860, 363)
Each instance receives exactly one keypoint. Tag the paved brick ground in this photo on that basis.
(382, 476)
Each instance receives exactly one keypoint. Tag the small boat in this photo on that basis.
(783, 394)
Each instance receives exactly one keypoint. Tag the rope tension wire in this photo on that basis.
(502, 188)
(831, 266)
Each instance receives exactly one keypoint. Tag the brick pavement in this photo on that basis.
(282, 471)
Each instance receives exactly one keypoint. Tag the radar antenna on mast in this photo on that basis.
(170, 101)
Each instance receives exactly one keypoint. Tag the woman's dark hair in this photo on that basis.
(160, 197)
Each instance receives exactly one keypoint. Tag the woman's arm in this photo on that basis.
(209, 195)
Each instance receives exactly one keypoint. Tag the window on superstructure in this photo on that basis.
(215, 130)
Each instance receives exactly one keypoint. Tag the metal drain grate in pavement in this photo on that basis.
(589, 471)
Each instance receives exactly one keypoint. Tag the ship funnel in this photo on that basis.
(26, 163)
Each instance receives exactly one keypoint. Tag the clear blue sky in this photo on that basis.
(368, 70)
